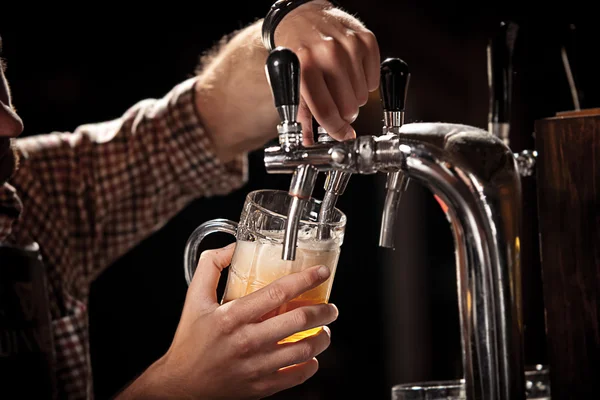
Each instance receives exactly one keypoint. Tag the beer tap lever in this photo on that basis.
(394, 77)
(500, 51)
(393, 88)
(283, 74)
(499, 58)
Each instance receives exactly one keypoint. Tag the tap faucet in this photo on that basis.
(393, 88)
(335, 185)
(499, 59)
(283, 74)
(500, 51)
(476, 175)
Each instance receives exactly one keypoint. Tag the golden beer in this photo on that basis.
(258, 263)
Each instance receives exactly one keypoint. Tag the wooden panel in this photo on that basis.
(568, 174)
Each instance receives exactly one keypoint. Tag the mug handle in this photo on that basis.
(190, 260)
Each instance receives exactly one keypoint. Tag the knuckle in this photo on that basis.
(339, 130)
(253, 373)
(306, 58)
(245, 345)
(328, 47)
(329, 114)
(331, 53)
(226, 323)
(208, 254)
(300, 317)
(338, 55)
(368, 37)
(309, 278)
(261, 388)
(350, 33)
(277, 294)
(305, 352)
(353, 42)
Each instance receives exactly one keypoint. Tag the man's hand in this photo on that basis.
(339, 61)
(228, 351)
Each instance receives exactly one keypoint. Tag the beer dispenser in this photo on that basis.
(474, 173)
(477, 177)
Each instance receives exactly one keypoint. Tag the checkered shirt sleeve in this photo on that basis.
(91, 195)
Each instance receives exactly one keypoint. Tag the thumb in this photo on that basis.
(203, 288)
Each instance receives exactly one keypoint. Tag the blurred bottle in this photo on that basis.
(26, 346)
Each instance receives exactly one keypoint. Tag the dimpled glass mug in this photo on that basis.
(257, 259)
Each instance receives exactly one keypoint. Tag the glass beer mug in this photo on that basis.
(537, 387)
(257, 259)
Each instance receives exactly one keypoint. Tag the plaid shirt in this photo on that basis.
(89, 196)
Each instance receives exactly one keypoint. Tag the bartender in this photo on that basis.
(73, 203)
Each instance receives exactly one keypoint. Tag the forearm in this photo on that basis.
(153, 383)
(234, 98)
(106, 186)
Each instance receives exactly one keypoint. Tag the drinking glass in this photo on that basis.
(537, 387)
(434, 390)
(257, 259)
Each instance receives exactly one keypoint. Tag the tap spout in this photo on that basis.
(335, 185)
(303, 183)
(396, 184)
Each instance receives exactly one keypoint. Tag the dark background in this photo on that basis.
(398, 310)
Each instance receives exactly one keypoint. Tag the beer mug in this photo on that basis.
(537, 387)
(257, 259)
(434, 390)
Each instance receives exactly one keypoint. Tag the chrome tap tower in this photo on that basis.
(472, 171)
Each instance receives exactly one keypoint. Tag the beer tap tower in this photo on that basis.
(473, 172)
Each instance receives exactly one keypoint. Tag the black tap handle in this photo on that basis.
(394, 84)
(500, 51)
(283, 73)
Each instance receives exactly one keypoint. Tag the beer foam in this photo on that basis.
(259, 262)
(307, 239)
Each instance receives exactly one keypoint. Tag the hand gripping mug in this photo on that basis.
(257, 259)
